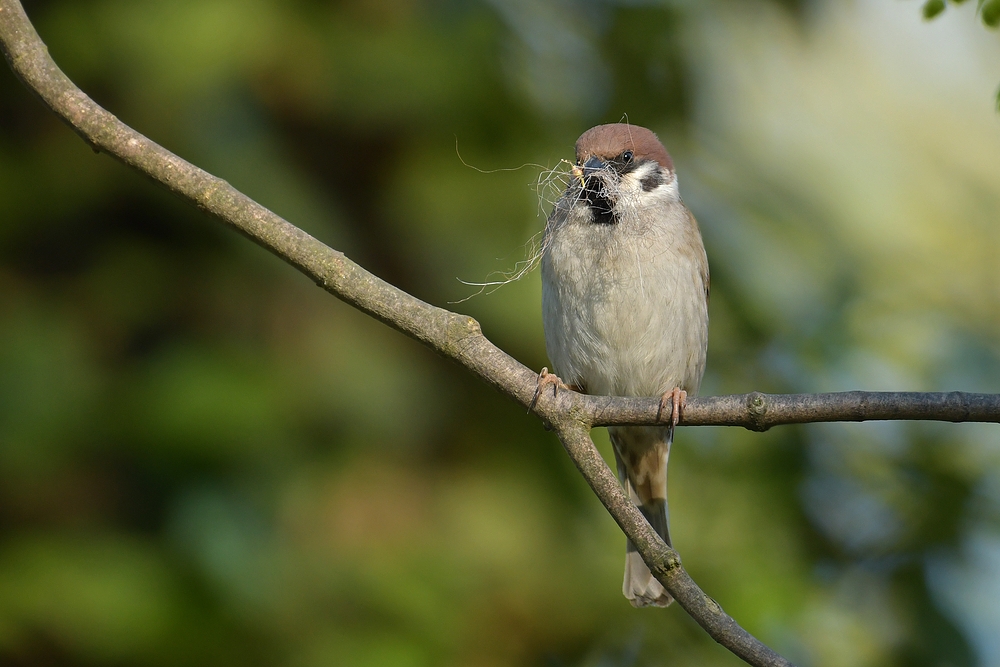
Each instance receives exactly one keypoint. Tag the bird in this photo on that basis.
(625, 289)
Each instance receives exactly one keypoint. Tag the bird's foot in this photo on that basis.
(545, 379)
(677, 398)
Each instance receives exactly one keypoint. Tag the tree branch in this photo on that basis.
(663, 562)
(459, 337)
(759, 412)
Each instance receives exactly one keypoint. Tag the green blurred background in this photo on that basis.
(196, 466)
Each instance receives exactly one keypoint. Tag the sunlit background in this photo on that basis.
(206, 460)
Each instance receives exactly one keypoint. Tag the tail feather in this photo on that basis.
(641, 455)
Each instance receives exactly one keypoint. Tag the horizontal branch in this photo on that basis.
(759, 412)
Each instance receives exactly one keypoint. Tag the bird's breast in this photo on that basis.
(625, 309)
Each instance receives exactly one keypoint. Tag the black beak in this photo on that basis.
(592, 165)
(595, 191)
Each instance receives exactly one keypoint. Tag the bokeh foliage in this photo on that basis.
(206, 460)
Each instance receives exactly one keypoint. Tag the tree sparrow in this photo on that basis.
(625, 306)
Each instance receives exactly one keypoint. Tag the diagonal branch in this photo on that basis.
(458, 337)
(663, 562)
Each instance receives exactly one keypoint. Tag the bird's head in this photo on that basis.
(620, 165)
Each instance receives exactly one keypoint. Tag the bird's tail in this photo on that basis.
(641, 454)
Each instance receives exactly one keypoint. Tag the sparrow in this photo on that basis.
(625, 288)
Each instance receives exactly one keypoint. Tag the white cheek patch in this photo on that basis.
(652, 180)
(648, 179)
(669, 187)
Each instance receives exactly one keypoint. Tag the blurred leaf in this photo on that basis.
(49, 387)
(932, 8)
(108, 599)
(209, 405)
(991, 13)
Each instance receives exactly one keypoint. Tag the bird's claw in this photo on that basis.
(545, 378)
(677, 397)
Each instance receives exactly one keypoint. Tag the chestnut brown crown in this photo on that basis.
(609, 141)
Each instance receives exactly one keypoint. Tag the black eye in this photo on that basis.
(627, 157)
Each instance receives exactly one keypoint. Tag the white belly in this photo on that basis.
(625, 314)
